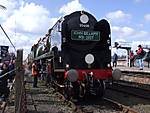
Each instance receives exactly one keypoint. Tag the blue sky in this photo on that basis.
(25, 21)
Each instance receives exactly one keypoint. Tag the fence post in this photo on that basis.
(18, 78)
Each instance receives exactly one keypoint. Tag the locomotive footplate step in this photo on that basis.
(44, 100)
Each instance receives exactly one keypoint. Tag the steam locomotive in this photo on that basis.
(79, 52)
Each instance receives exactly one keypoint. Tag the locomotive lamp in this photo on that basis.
(84, 18)
(67, 66)
(108, 65)
(89, 59)
(72, 75)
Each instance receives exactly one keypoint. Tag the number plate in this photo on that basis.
(85, 35)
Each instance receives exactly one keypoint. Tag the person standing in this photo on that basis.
(115, 55)
(131, 59)
(140, 55)
(115, 58)
(35, 73)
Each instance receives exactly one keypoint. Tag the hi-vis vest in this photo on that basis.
(34, 71)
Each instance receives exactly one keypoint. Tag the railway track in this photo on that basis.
(134, 93)
(104, 105)
(131, 88)
(2, 106)
(131, 94)
(139, 104)
(135, 84)
(121, 107)
(94, 105)
(111, 103)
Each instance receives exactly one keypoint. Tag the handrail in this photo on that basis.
(7, 73)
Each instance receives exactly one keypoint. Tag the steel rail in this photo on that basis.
(131, 90)
(122, 107)
(145, 87)
(8, 37)
(119, 106)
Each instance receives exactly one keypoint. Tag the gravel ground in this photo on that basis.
(45, 100)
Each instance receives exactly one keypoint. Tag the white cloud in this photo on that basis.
(71, 7)
(130, 37)
(118, 16)
(10, 6)
(18, 39)
(29, 18)
(128, 33)
(122, 31)
(24, 22)
(147, 17)
(140, 25)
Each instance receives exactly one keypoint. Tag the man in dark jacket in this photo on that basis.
(115, 58)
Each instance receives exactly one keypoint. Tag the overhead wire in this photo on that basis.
(8, 37)
(3, 7)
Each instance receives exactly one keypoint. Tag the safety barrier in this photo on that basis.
(17, 88)
(7, 73)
